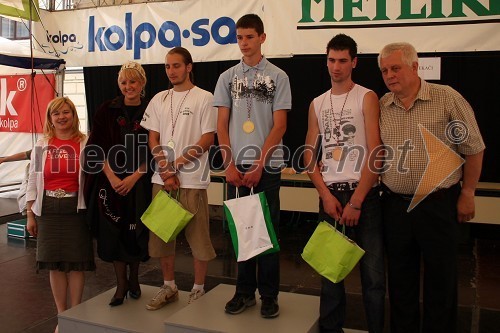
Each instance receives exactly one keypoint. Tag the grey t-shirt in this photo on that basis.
(256, 92)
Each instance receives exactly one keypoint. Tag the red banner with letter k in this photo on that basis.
(23, 103)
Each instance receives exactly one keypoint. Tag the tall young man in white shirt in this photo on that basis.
(181, 123)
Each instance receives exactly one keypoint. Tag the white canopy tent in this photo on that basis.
(15, 57)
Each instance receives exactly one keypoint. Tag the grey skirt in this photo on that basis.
(64, 241)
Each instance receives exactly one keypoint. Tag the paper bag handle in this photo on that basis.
(177, 198)
(238, 193)
(343, 227)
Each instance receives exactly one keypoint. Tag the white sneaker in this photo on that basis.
(195, 294)
(164, 296)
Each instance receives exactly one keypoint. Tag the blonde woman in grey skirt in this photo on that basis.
(55, 203)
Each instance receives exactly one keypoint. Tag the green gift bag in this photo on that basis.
(166, 216)
(331, 253)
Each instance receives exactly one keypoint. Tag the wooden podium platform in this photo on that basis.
(298, 313)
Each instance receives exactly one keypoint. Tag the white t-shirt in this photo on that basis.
(190, 117)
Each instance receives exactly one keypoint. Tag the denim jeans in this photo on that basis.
(369, 236)
(263, 271)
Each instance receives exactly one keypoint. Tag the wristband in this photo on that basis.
(354, 207)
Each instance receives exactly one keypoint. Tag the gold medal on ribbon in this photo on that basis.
(337, 153)
(248, 126)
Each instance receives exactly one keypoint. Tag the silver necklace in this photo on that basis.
(171, 142)
(337, 151)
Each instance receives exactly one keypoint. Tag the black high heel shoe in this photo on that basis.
(115, 301)
(135, 294)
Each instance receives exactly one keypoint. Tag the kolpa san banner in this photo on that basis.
(145, 32)
(23, 104)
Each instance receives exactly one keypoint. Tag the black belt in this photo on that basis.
(437, 195)
(343, 186)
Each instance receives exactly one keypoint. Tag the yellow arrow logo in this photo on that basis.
(442, 162)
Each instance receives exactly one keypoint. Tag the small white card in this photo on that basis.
(429, 68)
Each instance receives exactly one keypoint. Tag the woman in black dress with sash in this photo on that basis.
(121, 191)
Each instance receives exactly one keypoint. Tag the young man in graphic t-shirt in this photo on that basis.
(253, 98)
(345, 121)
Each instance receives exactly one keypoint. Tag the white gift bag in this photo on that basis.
(247, 218)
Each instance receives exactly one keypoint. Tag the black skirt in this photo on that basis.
(64, 242)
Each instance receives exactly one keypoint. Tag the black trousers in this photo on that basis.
(261, 272)
(427, 234)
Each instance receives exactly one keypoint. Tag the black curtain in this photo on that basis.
(474, 74)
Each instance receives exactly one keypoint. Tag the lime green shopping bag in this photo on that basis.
(331, 253)
(166, 217)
